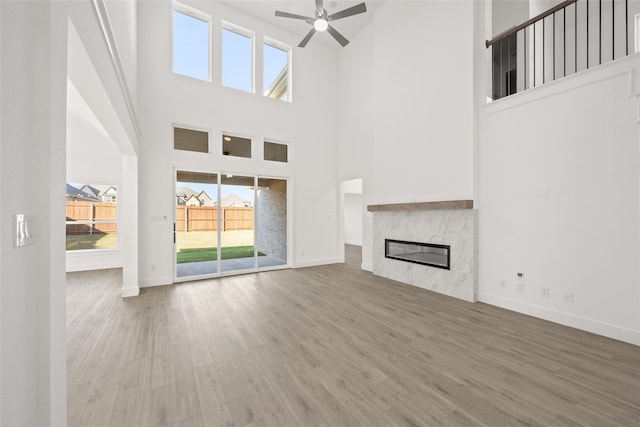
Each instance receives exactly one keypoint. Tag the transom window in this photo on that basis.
(236, 146)
(276, 152)
(191, 43)
(237, 58)
(190, 140)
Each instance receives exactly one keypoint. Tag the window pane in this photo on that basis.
(272, 222)
(91, 212)
(190, 46)
(236, 61)
(236, 146)
(275, 152)
(190, 140)
(276, 70)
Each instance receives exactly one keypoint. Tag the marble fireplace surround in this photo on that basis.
(451, 222)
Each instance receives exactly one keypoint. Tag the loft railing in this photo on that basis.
(573, 36)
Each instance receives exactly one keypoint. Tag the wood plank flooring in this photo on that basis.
(331, 346)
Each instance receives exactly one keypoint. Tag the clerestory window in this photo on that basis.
(276, 70)
(237, 58)
(191, 46)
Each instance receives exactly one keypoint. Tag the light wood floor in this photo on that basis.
(331, 346)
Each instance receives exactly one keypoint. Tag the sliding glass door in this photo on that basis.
(196, 224)
(227, 223)
(237, 232)
(271, 222)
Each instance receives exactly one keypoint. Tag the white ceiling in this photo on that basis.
(348, 27)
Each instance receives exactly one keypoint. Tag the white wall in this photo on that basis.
(308, 125)
(356, 115)
(32, 151)
(406, 106)
(123, 19)
(560, 201)
(423, 89)
(32, 277)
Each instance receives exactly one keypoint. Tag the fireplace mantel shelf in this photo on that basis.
(422, 206)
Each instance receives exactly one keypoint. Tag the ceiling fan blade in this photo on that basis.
(293, 15)
(306, 38)
(336, 35)
(319, 4)
(353, 10)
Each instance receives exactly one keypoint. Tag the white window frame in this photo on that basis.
(282, 46)
(190, 127)
(245, 32)
(251, 139)
(199, 15)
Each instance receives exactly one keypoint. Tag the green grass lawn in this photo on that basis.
(211, 254)
(91, 241)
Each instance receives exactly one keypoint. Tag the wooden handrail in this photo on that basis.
(525, 24)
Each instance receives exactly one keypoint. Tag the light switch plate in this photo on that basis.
(24, 230)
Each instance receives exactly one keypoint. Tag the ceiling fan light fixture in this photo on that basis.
(320, 24)
(320, 20)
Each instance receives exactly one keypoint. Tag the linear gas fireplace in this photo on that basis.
(418, 253)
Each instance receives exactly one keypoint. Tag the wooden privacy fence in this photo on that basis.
(205, 218)
(91, 217)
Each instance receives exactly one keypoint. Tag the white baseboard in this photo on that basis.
(130, 292)
(315, 262)
(367, 267)
(155, 281)
(600, 328)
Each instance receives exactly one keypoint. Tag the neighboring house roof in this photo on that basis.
(203, 193)
(76, 193)
(194, 201)
(186, 193)
(234, 201)
(99, 190)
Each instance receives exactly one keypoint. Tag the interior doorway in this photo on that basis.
(351, 203)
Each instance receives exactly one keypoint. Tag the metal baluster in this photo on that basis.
(600, 32)
(544, 42)
(587, 34)
(534, 54)
(613, 32)
(526, 59)
(564, 41)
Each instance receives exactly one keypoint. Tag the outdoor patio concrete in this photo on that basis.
(227, 265)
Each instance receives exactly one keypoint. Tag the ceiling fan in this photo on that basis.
(321, 19)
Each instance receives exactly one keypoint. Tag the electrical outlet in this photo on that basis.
(568, 297)
(520, 282)
(503, 284)
(544, 292)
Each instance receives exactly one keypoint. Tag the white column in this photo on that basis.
(128, 232)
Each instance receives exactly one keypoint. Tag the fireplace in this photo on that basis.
(418, 253)
(399, 229)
